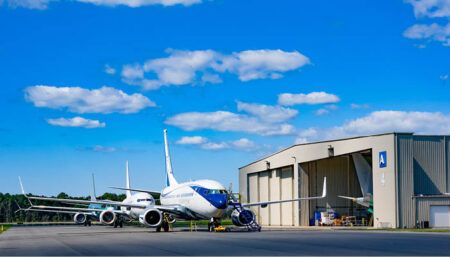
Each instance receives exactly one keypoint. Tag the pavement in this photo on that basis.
(137, 241)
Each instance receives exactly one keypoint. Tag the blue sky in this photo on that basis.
(87, 85)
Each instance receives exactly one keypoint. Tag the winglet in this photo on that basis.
(21, 187)
(324, 192)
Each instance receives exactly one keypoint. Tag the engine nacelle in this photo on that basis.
(243, 218)
(151, 218)
(79, 218)
(108, 217)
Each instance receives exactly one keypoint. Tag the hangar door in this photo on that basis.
(440, 216)
(271, 185)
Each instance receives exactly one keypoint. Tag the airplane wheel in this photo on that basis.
(165, 226)
(115, 224)
(158, 229)
(121, 224)
(89, 223)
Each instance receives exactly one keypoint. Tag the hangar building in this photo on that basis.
(404, 177)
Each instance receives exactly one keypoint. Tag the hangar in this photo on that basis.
(403, 178)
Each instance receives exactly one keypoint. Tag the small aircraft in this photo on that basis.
(201, 200)
(106, 211)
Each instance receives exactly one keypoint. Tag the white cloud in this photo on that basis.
(29, 4)
(227, 121)
(215, 146)
(382, 122)
(243, 143)
(444, 77)
(261, 64)
(109, 70)
(359, 106)
(76, 122)
(195, 140)
(80, 100)
(268, 113)
(433, 32)
(430, 8)
(104, 149)
(322, 111)
(204, 143)
(43, 4)
(288, 99)
(190, 67)
(139, 3)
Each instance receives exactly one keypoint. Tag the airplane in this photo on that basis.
(107, 212)
(201, 200)
(364, 174)
(82, 216)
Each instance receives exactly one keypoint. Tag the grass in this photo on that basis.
(5, 227)
(436, 230)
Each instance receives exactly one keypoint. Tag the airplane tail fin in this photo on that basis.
(169, 172)
(21, 187)
(93, 194)
(23, 191)
(128, 192)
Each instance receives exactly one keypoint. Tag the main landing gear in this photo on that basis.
(118, 223)
(165, 224)
(214, 224)
(88, 222)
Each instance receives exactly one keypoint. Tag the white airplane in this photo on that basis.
(108, 212)
(201, 200)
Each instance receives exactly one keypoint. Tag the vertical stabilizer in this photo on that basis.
(170, 178)
(364, 172)
(128, 192)
(93, 194)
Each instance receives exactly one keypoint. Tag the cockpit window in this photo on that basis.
(144, 200)
(217, 191)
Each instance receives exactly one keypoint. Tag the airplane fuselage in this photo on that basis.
(201, 199)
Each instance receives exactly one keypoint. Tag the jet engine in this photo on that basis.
(243, 218)
(151, 218)
(79, 218)
(107, 217)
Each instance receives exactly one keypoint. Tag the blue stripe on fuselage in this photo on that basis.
(217, 200)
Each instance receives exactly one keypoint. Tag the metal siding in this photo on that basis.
(303, 192)
(253, 194)
(447, 139)
(264, 193)
(429, 165)
(405, 181)
(275, 209)
(423, 206)
(287, 192)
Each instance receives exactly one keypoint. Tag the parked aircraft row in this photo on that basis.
(194, 200)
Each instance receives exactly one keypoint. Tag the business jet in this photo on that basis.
(82, 216)
(107, 212)
(201, 200)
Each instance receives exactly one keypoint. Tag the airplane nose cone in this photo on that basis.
(219, 201)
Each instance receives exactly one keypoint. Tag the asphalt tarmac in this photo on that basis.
(100, 240)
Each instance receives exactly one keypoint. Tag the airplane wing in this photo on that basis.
(75, 201)
(110, 203)
(55, 211)
(137, 190)
(265, 203)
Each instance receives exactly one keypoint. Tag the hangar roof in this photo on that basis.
(326, 141)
